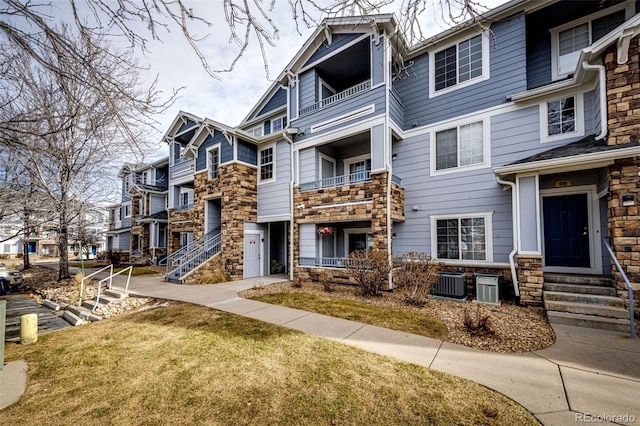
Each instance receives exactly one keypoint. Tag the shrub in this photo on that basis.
(325, 280)
(478, 326)
(417, 273)
(215, 273)
(297, 281)
(369, 269)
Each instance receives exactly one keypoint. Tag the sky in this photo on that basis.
(229, 99)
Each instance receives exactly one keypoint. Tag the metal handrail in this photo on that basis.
(632, 324)
(110, 278)
(187, 248)
(89, 276)
(324, 262)
(335, 181)
(340, 96)
(207, 248)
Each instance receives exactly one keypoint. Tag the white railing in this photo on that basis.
(336, 181)
(184, 261)
(345, 94)
(182, 167)
(110, 278)
(632, 324)
(110, 267)
(324, 262)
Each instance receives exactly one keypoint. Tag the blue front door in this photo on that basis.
(566, 231)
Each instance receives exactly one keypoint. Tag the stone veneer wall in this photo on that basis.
(623, 99)
(530, 280)
(239, 189)
(187, 224)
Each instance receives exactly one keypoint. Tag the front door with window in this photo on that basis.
(566, 231)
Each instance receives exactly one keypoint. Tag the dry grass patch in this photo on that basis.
(514, 328)
(188, 364)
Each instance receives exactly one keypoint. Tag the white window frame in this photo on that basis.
(181, 198)
(627, 6)
(579, 119)
(257, 131)
(486, 146)
(275, 120)
(127, 210)
(348, 232)
(488, 235)
(485, 64)
(321, 84)
(209, 151)
(273, 163)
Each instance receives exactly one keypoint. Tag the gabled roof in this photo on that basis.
(174, 129)
(585, 153)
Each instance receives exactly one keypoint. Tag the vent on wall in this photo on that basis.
(451, 285)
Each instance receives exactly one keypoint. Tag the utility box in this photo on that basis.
(451, 285)
(487, 288)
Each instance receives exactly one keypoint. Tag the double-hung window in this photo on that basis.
(359, 170)
(266, 163)
(213, 162)
(562, 118)
(278, 124)
(461, 146)
(456, 65)
(463, 237)
(568, 40)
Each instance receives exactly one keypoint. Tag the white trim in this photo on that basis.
(370, 109)
(486, 147)
(271, 146)
(629, 12)
(208, 158)
(244, 163)
(488, 235)
(322, 83)
(366, 34)
(349, 231)
(455, 42)
(274, 218)
(578, 119)
(593, 211)
(347, 162)
(347, 203)
(339, 133)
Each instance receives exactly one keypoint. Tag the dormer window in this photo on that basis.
(256, 131)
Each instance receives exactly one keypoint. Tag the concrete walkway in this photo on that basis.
(586, 376)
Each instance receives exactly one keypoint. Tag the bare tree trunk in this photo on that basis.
(63, 237)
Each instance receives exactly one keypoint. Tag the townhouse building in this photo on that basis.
(508, 145)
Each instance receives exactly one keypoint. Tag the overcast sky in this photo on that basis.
(229, 100)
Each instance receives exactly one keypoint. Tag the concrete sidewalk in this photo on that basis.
(586, 376)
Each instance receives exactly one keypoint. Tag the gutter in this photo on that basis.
(285, 135)
(514, 220)
(603, 97)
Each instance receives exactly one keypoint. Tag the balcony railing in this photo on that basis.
(335, 181)
(345, 94)
(183, 207)
(182, 167)
(324, 262)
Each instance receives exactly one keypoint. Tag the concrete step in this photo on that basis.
(581, 289)
(115, 294)
(591, 299)
(590, 321)
(83, 313)
(586, 309)
(597, 280)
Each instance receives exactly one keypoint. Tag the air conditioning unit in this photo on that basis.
(487, 288)
(451, 285)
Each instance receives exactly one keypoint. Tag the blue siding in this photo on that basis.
(217, 138)
(337, 41)
(375, 96)
(308, 169)
(396, 109)
(279, 99)
(507, 76)
(308, 92)
(307, 232)
(158, 203)
(378, 61)
(273, 197)
(539, 38)
(247, 152)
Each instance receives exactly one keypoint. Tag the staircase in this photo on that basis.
(192, 255)
(584, 300)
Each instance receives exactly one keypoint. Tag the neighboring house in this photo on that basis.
(138, 225)
(510, 147)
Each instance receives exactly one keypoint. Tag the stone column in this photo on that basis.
(531, 280)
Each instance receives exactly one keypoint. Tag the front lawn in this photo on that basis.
(188, 364)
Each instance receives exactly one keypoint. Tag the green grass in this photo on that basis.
(188, 364)
(393, 318)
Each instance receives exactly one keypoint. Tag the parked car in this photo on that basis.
(5, 288)
(12, 275)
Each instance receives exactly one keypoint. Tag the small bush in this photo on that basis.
(297, 282)
(369, 269)
(325, 280)
(417, 273)
(478, 326)
(215, 273)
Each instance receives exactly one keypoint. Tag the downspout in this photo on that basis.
(291, 182)
(603, 97)
(514, 220)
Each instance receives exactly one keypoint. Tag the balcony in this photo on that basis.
(183, 207)
(337, 181)
(181, 168)
(324, 262)
(338, 97)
